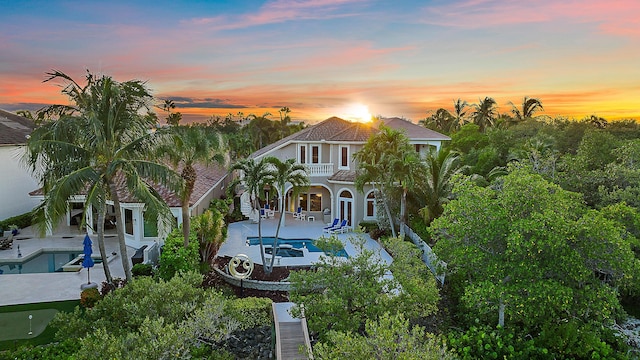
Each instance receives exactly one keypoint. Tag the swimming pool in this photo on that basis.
(41, 262)
(295, 243)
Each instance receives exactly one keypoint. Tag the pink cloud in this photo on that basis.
(616, 17)
(280, 11)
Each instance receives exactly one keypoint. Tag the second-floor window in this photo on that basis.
(315, 154)
(303, 154)
(344, 157)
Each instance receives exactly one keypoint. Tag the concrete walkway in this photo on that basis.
(46, 287)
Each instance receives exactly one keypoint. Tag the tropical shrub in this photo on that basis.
(21, 221)
(342, 294)
(249, 312)
(89, 297)
(175, 258)
(142, 270)
(389, 337)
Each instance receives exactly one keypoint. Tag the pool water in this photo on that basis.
(295, 243)
(45, 262)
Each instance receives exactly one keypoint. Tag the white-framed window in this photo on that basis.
(315, 154)
(370, 205)
(344, 157)
(302, 154)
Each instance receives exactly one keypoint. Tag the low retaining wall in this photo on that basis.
(255, 284)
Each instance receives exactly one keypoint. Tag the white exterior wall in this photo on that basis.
(15, 183)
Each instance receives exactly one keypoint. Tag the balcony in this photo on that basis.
(320, 169)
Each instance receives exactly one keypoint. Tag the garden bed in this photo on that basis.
(278, 275)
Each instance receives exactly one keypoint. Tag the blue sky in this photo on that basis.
(332, 57)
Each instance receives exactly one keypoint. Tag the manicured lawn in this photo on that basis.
(14, 322)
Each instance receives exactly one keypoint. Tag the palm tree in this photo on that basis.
(381, 162)
(407, 168)
(529, 107)
(484, 113)
(99, 145)
(192, 144)
(284, 172)
(440, 169)
(459, 113)
(255, 175)
(441, 120)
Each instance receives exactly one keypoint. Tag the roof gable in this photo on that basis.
(337, 129)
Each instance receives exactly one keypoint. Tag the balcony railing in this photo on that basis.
(320, 169)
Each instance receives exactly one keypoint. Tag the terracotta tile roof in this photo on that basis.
(14, 129)
(208, 176)
(337, 129)
(343, 175)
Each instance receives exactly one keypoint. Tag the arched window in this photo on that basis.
(370, 205)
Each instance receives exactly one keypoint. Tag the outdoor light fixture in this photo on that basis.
(30, 317)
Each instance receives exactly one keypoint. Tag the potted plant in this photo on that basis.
(14, 229)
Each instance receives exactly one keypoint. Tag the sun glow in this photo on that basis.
(358, 112)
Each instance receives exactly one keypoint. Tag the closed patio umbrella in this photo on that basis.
(87, 262)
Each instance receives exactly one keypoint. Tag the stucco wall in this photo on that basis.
(15, 183)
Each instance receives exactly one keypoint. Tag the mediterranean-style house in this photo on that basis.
(141, 230)
(15, 178)
(326, 149)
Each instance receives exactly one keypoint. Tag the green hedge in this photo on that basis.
(21, 221)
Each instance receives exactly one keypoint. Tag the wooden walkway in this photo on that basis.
(291, 334)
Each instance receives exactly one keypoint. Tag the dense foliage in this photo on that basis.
(541, 262)
(342, 294)
(159, 320)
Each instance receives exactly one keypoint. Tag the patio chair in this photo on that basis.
(333, 229)
(263, 214)
(270, 213)
(329, 226)
(296, 215)
(342, 229)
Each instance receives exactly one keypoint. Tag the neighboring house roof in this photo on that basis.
(208, 177)
(14, 129)
(414, 131)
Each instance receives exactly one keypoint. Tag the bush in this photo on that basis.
(368, 226)
(21, 221)
(176, 258)
(249, 312)
(499, 343)
(142, 270)
(89, 297)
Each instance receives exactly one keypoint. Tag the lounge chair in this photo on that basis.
(329, 226)
(334, 228)
(298, 212)
(263, 214)
(343, 228)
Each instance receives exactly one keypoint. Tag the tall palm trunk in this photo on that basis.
(388, 211)
(274, 248)
(189, 175)
(403, 210)
(103, 250)
(264, 262)
(120, 229)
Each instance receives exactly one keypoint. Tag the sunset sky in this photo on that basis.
(325, 58)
